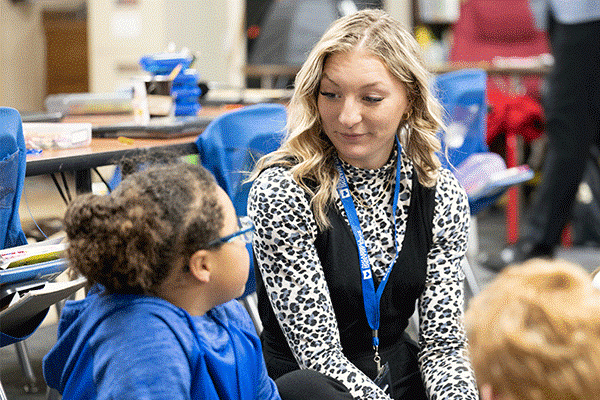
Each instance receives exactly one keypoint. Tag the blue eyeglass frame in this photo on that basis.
(246, 226)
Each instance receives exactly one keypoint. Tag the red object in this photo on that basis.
(496, 28)
(567, 236)
(513, 115)
(253, 31)
(487, 29)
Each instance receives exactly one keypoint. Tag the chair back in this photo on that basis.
(12, 177)
(230, 146)
(462, 94)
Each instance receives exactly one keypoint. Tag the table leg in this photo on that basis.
(83, 181)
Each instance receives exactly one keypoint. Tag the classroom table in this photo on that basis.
(102, 151)
(105, 151)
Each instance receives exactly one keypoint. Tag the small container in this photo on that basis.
(160, 98)
(164, 63)
(57, 135)
(159, 85)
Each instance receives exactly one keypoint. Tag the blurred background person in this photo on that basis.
(572, 109)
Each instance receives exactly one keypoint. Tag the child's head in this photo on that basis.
(534, 333)
(157, 224)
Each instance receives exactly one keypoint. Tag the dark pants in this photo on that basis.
(572, 108)
(402, 358)
(306, 384)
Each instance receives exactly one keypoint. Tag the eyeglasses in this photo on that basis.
(244, 234)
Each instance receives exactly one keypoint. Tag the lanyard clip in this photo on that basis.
(376, 358)
(375, 340)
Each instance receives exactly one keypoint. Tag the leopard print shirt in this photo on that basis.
(294, 279)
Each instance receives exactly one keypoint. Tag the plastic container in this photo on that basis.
(184, 94)
(164, 63)
(186, 109)
(90, 103)
(186, 77)
(57, 135)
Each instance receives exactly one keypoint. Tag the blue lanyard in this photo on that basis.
(371, 298)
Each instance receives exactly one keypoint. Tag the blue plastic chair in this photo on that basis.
(229, 148)
(462, 94)
(12, 178)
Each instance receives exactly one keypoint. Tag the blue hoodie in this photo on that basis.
(140, 347)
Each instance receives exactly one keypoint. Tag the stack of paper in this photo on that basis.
(31, 253)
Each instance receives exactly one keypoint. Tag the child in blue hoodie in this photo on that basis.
(166, 255)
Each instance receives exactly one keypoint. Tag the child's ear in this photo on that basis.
(487, 393)
(200, 265)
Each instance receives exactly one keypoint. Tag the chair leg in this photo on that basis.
(512, 208)
(471, 256)
(23, 355)
(470, 277)
(250, 302)
(2, 393)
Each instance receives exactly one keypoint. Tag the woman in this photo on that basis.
(355, 202)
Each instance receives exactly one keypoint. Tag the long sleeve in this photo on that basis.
(294, 279)
(445, 365)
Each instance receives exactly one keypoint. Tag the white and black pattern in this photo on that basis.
(294, 279)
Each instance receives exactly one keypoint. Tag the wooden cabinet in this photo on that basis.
(66, 51)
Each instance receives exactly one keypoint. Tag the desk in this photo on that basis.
(492, 69)
(102, 151)
(107, 151)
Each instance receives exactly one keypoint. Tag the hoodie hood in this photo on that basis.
(80, 327)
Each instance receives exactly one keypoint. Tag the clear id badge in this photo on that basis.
(384, 380)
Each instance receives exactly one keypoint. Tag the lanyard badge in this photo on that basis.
(371, 297)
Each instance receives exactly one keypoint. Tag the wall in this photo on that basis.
(401, 10)
(23, 53)
(22, 56)
(213, 30)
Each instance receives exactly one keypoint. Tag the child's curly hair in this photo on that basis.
(129, 240)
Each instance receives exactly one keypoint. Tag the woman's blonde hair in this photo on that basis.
(308, 152)
(534, 333)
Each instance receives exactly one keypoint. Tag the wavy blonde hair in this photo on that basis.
(534, 333)
(308, 152)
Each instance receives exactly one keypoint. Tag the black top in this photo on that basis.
(338, 254)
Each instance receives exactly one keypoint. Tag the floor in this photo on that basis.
(490, 228)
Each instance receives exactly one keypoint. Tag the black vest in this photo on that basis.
(338, 254)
